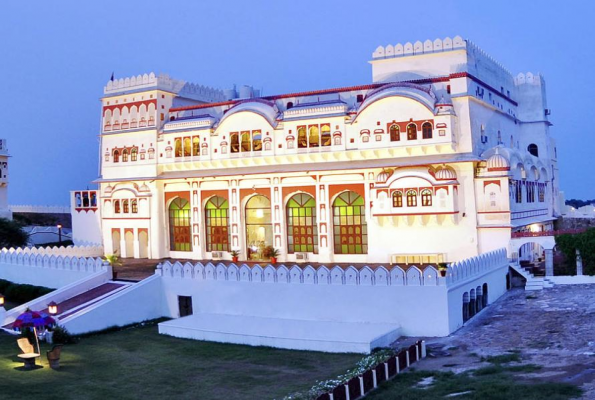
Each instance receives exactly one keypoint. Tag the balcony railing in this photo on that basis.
(547, 233)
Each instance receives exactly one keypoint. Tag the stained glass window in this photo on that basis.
(325, 133)
(426, 198)
(195, 146)
(302, 231)
(187, 147)
(217, 224)
(349, 224)
(179, 225)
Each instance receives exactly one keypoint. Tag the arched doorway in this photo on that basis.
(116, 242)
(259, 230)
(349, 224)
(179, 225)
(129, 239)
(302, 232)
(532, 257)
(143, 243)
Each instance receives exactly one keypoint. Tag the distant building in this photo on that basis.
(444, 156)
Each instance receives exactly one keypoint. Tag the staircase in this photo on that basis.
(533, 282)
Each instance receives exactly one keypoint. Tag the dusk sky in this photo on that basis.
(56, 57)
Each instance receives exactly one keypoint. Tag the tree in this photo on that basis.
(585, 243)
(12, 234)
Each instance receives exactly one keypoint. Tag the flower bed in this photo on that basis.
(369, 372)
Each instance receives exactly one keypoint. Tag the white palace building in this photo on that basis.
(366, 192)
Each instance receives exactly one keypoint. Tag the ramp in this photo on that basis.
(327, 336)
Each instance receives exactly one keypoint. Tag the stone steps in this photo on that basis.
(534, 283)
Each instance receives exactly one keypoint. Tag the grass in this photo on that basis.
(140, 363)
(499, 384)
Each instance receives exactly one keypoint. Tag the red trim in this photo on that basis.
(353, 88)
(111, 107)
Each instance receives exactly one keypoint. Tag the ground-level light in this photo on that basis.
(53, 308)
(1, 300)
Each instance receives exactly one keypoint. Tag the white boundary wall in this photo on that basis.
(422, 304)
(49, 271)
(70, 251)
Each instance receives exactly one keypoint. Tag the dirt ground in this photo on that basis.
(553, 328)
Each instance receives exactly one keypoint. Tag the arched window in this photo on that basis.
(325, 135)
(187, 147)
(246, 141)
(259, 229)
(314, 136)
(195, 146)
(256, 141)
(289, 104)
(125, 206)
(301, 137)
(349, 224)
(117, 206)
(533, 149)
(124, 155)
(426, 130)
(411, 132)
(302, 233)
(398, 199)
(134, 206)
(151, 153)
(426, 198)
(217, 224)
(116, 156)
(234, 139)
(178, 147)
(179, 225)
(133, 154)
(395, 133)
(411, 198)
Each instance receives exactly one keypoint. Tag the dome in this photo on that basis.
(445, 174)
(144, 188)
(498, 162)
(108, 189)
(382, 177)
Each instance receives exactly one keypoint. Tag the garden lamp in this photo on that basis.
(1, 300)
(53, 308)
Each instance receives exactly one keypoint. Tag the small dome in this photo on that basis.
(382, 177)
(144, 188)
(108, 189)
(445, 174)
(498, 162)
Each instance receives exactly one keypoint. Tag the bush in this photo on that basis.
(62, 336)
(12, 234)
(20, 294)
(585, 243)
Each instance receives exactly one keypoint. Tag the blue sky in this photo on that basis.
(55, 58)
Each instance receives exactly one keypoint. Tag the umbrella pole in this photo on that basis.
(38, 349)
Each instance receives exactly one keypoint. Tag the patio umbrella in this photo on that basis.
(33, 319)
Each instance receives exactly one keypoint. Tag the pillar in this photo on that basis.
(549, 262)
(135, 243)
(579, 263)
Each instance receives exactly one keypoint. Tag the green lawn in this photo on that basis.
(140, 363)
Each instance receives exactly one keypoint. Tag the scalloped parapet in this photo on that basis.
(69, 251)
(410, 49)
(528, 78)
(163, 82)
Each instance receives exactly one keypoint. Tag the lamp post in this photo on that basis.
(59, 226)
(1, 300)
(2, 310)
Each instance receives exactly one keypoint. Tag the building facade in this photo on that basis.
(442, 157)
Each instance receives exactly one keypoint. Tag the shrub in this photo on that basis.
(20, 294)
(12, 234)
(62, 336)
(585, 243)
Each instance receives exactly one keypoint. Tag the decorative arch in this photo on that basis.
(217, 224)
(179, 225)
(349, 222)
(259, 228)
(395, 133)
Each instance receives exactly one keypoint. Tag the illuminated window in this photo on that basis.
(301, 137)
(325, 135)
(234, 139)
(187, 147)
(398, 199)
(179, 225)
(195, 146)
(116, 156)
(411, 132)
(217, 224)
(178, 147)
(395, 133)
(117, 206)
(134, 206)
(314, 136)
(246, 141)
(256, 141)
(124, 155)
(426, 130)
(125, 206)
(133, 154)
(349, 224)
(411, 198)
(302, 233)
(426, 198)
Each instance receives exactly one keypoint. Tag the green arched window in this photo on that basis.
(349, 224)
(217, 224)
(302, 232)
(179, 225)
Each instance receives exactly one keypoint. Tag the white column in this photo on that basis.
(549, 262)
(136, 243)
(323, 218)
(277, 218)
